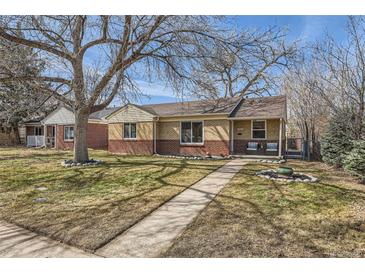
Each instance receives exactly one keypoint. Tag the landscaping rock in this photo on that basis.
(41, 188)
(296, 177)
(40, 200)
(71, 163)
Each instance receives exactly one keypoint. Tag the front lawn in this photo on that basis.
(257, 217)
(88, 206)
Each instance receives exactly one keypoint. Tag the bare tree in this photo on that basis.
(166, 46)
(18, 101)
(342, 72)
(253, 68)
(307, 109)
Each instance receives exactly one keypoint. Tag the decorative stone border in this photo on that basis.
(71, 163)
(194, 157)
(296, 177)
(281, 161)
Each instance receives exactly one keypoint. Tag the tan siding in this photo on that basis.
(168, 130)
(242, 130)
(144, 131)
(130, 113)
(273, 127)
(115, 131)
(215, 130)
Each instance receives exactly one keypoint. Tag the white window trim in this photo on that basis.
(192, 121)
(64, 132)
(259, 129)
(35, 130)
(126, 138)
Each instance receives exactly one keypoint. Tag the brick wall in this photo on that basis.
(173, 147)
(133, 147)
(97, 137)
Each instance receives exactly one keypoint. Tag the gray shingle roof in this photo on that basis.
(102, 113)
(221, 105)
(265, 107)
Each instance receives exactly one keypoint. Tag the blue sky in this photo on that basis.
(305, 29)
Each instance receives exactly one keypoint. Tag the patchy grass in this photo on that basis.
(256, 217)
(88, 206)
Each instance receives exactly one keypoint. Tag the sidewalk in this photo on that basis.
(155, 233)
(19, 242)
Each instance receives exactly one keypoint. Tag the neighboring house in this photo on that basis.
(236, 126)
(57, 130)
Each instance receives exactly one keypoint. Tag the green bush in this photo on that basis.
(354, 162)
(337, 141)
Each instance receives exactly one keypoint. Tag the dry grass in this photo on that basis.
(256, 217)
(88, 206)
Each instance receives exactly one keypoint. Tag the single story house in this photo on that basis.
(56, 130)
(232, 126)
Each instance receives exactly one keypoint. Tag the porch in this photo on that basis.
(38, 135)
(257, 138)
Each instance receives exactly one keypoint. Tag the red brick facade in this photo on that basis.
(134, 147)
(97, 137)
(173, 147)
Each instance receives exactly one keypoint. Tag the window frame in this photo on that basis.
(39, 129)
(252, 129)
(130, 131)
(191, 131)
(64, 133)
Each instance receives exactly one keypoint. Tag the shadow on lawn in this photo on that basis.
(282, 203)
(75, 218)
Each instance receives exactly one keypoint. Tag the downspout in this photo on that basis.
(155, 136)
(232, 136)
(280, 137)
(55, 137)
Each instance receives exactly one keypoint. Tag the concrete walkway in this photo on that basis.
(155, 233)
(19, 242)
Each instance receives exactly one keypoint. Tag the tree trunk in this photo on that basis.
(16, 135)
(81, 154)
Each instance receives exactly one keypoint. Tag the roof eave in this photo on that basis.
(257, 118)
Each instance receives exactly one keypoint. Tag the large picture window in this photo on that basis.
(130, 131)
(68, 133)
(191, 132)
(259, 129)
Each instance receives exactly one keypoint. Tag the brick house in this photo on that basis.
(236, 126)
(56, 130)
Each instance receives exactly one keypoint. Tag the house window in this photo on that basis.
(191, 132)
(38, 131)
(68, 134)
(259, 129)
(130, 131)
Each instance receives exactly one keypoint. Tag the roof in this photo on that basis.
(102, 113)
(218, 106)
(33, 121)
(263, 107)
